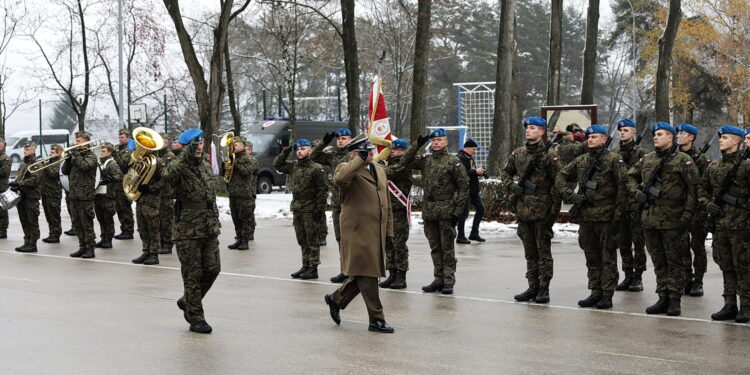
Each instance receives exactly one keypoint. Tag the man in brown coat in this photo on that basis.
(366, 226)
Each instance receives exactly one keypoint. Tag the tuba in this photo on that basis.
(227, 144)
(142, 162)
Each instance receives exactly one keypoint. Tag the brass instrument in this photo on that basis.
(143, 162)
(227, 144)
(56, 160)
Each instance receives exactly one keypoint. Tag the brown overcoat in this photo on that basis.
(366, 218)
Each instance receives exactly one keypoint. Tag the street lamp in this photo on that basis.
(634, 87)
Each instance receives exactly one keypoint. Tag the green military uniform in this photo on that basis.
(148, 216)
(446, 188)
(242, 192)
(81, 170)
(599, 214)
(397, 253)
(309, 181)
(331, 160)
(630, 236)
(29, 185)
(51, 201)
(695, 237)
(122, 203)
(104, 201)
(5, 164)
(568, 150)
(166, 204)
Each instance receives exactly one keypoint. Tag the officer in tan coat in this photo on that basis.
(366, 226)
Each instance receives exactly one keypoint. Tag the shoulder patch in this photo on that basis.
(708, 161)
(555, 159)
(458, 164)
(689, 163)
(620, 161)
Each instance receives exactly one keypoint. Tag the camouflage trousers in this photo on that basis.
(124, 213)
(731, 253)
(440, 235)
(200, 265)
(368, 287)
(536, 237)
(4, 222)
(632, 246)
(665, 248)
(28, 213)
(149, 227)
(82, 216)
(166, 222)
(306, 229)
(105, 215)
(600, 248)
(397, 256)
(322, 224)
(243, 217)
(695, 239)
(52, 208)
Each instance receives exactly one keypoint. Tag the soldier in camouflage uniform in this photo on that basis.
(196, 227)
(29, 185)
(81, 168)
(536, 210)
(310, 182)
(568, 149)
(242, 190)
(148, 216)
(397, 253)
(5, 164)
(598, 209)
(730, 223)
(331, 160)
(122, 203)
(52, 197)
(695, 237)
(446, 189)
(630, 237)
(166, 204)
(104, 201)
(671, 205)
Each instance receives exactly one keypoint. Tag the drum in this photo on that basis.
(65, 182)
(9, 199)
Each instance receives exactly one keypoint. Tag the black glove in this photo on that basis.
(328, 137)
(640, 197)
(516, 189)
(363, 154)
(389, 242)
(144, 189)
(421, 140)
(13, 185)
(578, 199)
(713, 209)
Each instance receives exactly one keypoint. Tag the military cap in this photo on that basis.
(733, 130)
(29, 144)
(240, 139)
(662, 126)
(747, 131)
(439, 132)
(536, 121)
(687, 128)
(2, 140)
(470, 143)
(302, 143)
(56, 147)
(400, 144)
(596, 129)
(108, 146)
(343, 132)
(190, 135)
(124, 131)
(626, 122)
(83, 134)
(359, 143)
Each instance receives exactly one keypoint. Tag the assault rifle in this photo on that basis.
(525, 180)
(722, 196)
(705, 147)
(587, 182)
(650, 188)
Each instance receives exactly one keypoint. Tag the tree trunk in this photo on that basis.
(421, 57)
(666, 44)
(589, 53)
(351, 63)
(87, 72)
(501, 121)
(230, 93)
(555, 53)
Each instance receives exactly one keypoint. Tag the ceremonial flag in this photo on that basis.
(378, 128)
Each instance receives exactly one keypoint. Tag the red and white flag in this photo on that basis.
(378, 126)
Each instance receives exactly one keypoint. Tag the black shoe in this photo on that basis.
(728, 312)
(105, 244)
(183, 306)
(475, 237)
(400, 282)
(124, 236)
(447, 289)
(380, 326)
(543, 295)
(166, 250)
(20, 247)
(625, 284)
(200, 327)
(152, 259)
(311, 273)
(338, 278)
(51, 239)
(78, 253)
(302, 270)
(527, 295)
(141, 258)
(590, 301)
(604, 303)
(744, 315)
(4, 234)
(27, 248)
(697, 289)
(71, 232)
(637, 284)
(674, 307)
(88, 254)
(434, 286)
(322, 243)
(235, 245)
(462, 240)
(388, 281)
(660, 307)
(333, 308)
(243, 246)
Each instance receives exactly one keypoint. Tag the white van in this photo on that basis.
(14, 143)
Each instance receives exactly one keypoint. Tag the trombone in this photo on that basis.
(52, 161)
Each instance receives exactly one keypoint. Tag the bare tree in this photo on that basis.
(12, 15)
(589, 53)
(664, 65)
(555, 53)
(236, 117)
(421, 59)
(502, 117)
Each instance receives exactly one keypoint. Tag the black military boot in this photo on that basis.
(591, 300)
(4, 234)
(697, 289)
(462, 240)
(302, 270)
(323, 242)
(660, 307)
(434, 286)
(243, 246)
(528, 294)
(543, 295)
(124, 236)
(744, 315)
(52, 239)
(728, 312)
(333, 309)
(183, 306)
(338, 278)
(88, 254)
(166, 250)
(447, 289)
(105, 244)
(200, 327)
(28, 248)
(637, 284)
(400, 282)
(235, 245)
(389, 280)
(605, 302)
(688, 284)
(625, 284)
(141, 258)
(474, 236)
(674, 306)
(22, 246)
(71, 232)
(152, 259)
(77, 254)
(311, 273)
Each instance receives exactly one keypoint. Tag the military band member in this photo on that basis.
(446, 188)
(196, 227)
(148, 217)
(81, 167)
(52, 197)
(396, 251)
(166, 204)
(242, 190)
(309, 181)
(5, 164)
(122, 203)
(29, 185)
(104, 201)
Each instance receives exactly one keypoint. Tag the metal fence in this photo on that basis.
(476, 106)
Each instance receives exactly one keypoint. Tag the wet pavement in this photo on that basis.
(72, 316)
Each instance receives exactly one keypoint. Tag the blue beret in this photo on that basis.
(662, 126)
(747, 131)
(733, 130)
(439, 132)
(400, 144)
(302, 143)
(189, 136)
(687, 128)
(596, 129)
(536, 121)
(625, 122)
(343, 132)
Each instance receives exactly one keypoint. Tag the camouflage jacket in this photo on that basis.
(606, 195)
(701, 162)
(444, 180)
(5, 164)
(735, 216)
(545, 202)
(152, 198)
(330, 160)
(244, 176)
(630, 154)
(81, 170)
(111, 175)
(122, 156)
(29, 184)
(51, 187)
(166, 156)
(569, 150)
(308, 179)
(676, 203)
(196, 214)
(401, 176)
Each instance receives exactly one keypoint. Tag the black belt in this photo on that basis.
(196, 205)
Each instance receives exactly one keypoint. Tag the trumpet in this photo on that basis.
(53, 161)
(227, 142)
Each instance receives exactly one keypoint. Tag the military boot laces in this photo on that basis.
(400, 281)
(543, 295)
(697, 289)
(311, 273)
(625, 284)
(744, 315)
(302, 270)
(235, 245)
(152, 259)
(200, 327)
(604, 303)
(527, 295)
(591, 300)
(637, 284)
(141, 258)
(660, 307)
(388, 281)
(728, 312)
(434, 286)
(674, 307)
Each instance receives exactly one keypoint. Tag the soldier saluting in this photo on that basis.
(397, 252)
(242, 189)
